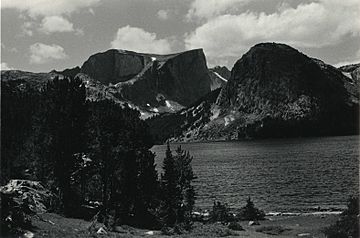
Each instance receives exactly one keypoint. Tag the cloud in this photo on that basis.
(163, 14)
(51, 13)
(27, 28)
(4, 66)
(209, 8)
(52, 24)
(311, 25)
(36, 8)
(137, 39)
(41, 53)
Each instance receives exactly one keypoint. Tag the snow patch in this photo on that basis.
(347, 74)
(220, 77)
(168, 104)
(153, 58)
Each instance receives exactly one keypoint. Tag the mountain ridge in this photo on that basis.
(276, 91)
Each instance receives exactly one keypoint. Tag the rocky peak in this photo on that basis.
(276, 73)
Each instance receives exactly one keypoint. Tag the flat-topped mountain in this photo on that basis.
(151, 81)
(276, 91)
(148, 82)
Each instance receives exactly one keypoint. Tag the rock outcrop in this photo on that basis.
(20, 199)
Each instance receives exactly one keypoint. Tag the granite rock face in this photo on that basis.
(276, 91)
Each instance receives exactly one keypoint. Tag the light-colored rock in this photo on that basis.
(29, 193)
(253, 223)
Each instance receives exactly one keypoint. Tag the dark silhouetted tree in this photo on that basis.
(64, 112)
(178, 195)
(119, 145)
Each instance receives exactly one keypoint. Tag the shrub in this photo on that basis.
(235, 226)
(221, 212)
(348, 223)
(250, 212)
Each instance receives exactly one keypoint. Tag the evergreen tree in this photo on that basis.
(119, 145)
(250, 212)
(178, 193)
(170, 190)
(64, 112)
(18, 105)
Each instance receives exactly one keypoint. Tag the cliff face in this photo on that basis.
(113, 66)
(276, 91)
(157, 83)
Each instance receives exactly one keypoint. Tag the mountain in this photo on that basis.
(276, 91)
(156, 83)
(219, 76)
(148, 82)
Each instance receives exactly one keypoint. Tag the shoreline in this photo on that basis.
(252, 139)
(54, 225)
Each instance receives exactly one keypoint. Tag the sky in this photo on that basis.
(42, 35)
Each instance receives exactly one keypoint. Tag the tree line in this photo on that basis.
(86, 151)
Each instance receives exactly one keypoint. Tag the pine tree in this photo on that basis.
(119, 145)
(178, 193)
(170, 190)
(64, 111)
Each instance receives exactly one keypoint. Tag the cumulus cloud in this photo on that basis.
(51, 13)
(137, 39)
(163, 14)
(209, 8)
(41, 53)
(4, 66)
(312, 25)
(52, 24)
(36, 8)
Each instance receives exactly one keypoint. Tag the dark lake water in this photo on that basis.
(280, 175)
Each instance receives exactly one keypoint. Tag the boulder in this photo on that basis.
(28, 194)
(20, 199)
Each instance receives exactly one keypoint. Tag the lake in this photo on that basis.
(280, 175)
